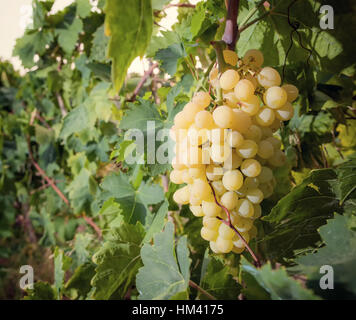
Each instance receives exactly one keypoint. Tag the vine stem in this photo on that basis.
(200, 289)
(231, 33)
(143, 80)
(44, 175)
(229, 224)
(93, 225)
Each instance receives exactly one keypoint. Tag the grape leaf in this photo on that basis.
(339, 252)
(61, 265)
(158, 222)
(165, 273)
(347, 177)
(99, 48)
(83, 8)
(69, 35)
(138, 115)
(117, 261)
(170, 57)
(134, 203)
(296, 217)
(277, 282)
(159, 4)
(78, 286)
(131, 28)
(218, 281)
(30, 44)
(164, 40)
(41, 291)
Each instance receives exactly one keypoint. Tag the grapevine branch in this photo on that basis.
(229, 224)
(43, 174)
(143, 80)
(231, 33)
(93, 225)
(200, 289)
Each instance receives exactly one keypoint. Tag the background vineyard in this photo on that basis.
(94, 227)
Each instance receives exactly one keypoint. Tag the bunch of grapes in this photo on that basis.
(225, 150)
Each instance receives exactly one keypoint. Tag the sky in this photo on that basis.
(16, 14)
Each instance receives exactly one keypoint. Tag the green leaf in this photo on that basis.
(61, 265)
(31, 44)
(41, 291)
(166, 270)
(118, 261)
(218, 281)
(170, 57)
(131, 28)
(277, 282)
(159, 4)
(347, 177)
(138, 115)
(339, 252)
(158, 222)
(99, 48)
(80, 191)
(197, 20)
(296, 217)
(78, 286)
(134, 203)
(83, 8)
(68, 36)
(162, 41)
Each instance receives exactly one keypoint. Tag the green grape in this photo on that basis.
(181, 196)
(265, 117)
(223, 117)
(202, 99)
(275, 97)
(204, 119)
(229, 200)
(224, 245)
(226, 232)
(218, 187)
(176, 176)
(251, 106)
(255, 196)
(197, 211)
(232, 180)
(209, 234)
(229, 79)
(214, 172)
(265, 149)
(234, 139)
(269, 77)
(248, 149)
(250, 168)
(266, 175)
(253, 57)
(230, 57)
(254, 133)
(244, 90)
(244, 208)
(285, 113)
(292, 92)
(210, 208)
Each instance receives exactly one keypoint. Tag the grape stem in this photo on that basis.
(201, 290)
(229, 224)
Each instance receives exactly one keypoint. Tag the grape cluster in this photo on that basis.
(229, 146)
